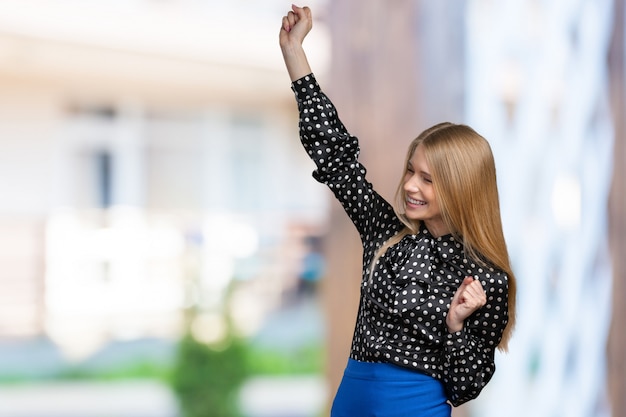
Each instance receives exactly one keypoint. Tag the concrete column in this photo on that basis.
(616, 351)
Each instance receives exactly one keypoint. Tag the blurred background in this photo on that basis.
(164, 251)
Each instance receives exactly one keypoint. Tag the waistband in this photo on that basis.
(381, 371)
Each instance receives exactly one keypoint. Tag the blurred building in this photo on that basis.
(148, 156)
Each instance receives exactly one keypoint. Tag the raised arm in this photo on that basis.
(295, 26)
(326, 140)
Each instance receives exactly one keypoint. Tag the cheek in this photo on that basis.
(429, 192)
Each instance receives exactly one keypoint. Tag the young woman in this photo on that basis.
(437, 293)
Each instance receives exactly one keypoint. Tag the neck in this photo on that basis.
(436, 229)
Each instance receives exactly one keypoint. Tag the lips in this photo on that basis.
(415, 202)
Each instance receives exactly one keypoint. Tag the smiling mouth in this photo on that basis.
(415, 202)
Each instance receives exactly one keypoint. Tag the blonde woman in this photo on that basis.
(437, 292)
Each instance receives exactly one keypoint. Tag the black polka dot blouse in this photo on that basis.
(404, 302)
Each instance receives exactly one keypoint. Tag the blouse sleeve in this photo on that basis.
(335, 153)
(469, 353)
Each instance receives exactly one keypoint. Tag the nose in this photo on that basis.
(410, 185)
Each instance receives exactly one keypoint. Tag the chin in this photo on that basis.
(413, 216)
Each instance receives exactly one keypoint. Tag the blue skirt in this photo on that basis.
(386, 390)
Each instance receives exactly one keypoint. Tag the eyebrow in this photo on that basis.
(409, 164)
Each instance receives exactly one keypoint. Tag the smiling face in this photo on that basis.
(420, 199)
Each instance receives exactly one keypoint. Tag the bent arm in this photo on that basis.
(469, 354)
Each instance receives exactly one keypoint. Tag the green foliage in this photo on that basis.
(300, 361)
(131, 370)
(207, 379)
(138, 369)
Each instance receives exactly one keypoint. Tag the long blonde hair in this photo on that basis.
(464, 178)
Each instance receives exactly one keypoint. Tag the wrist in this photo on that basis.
(292, 48)
(296, 61)
(453, 325)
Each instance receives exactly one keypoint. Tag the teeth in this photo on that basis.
(412, 201)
